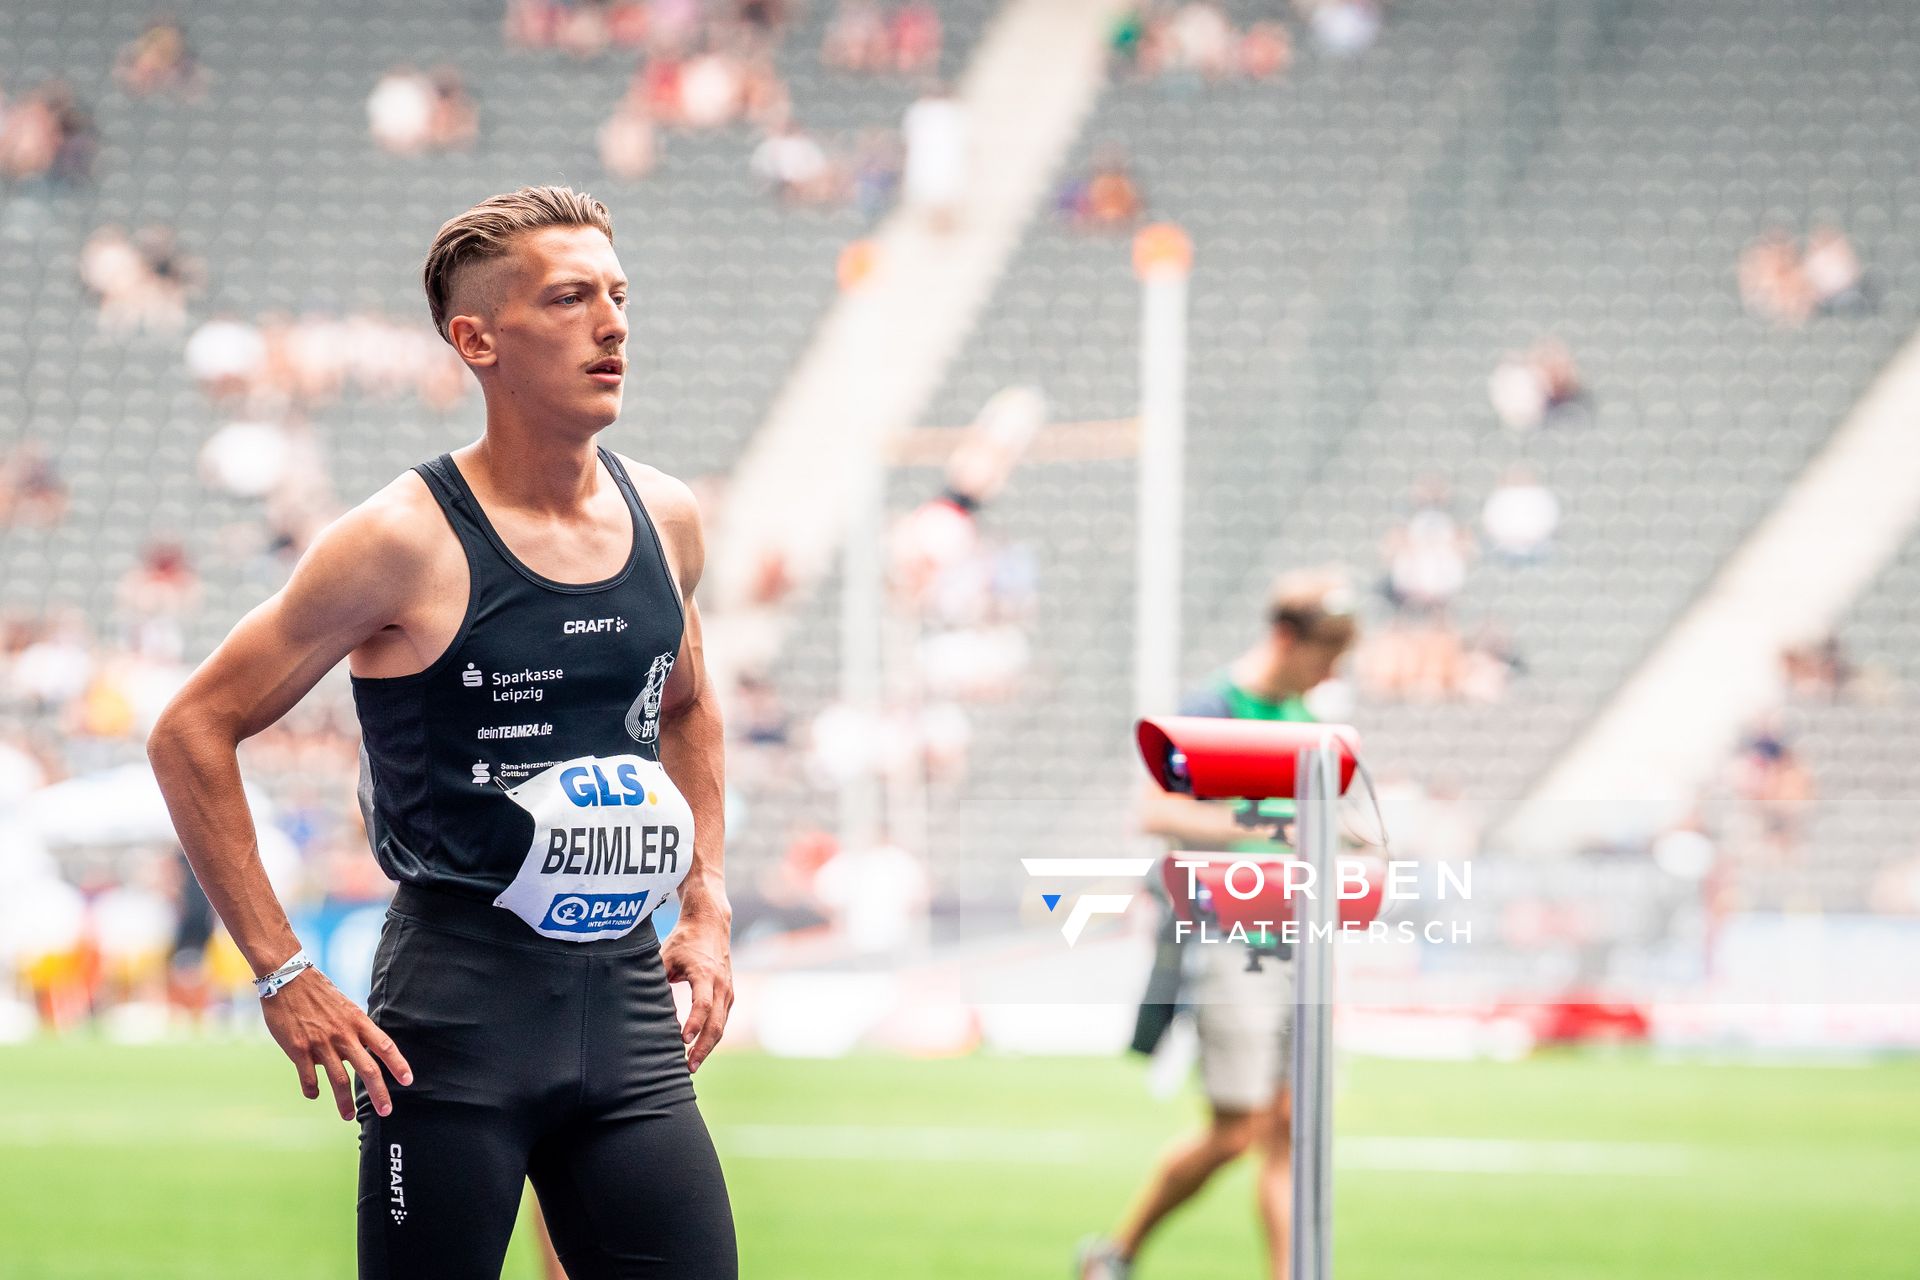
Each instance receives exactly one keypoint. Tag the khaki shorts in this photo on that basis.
(1245, 1025)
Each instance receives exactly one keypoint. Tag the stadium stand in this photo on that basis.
(1268, 178)
(1604, 198)
(1699, 415)
(1859, 740)
(273, 180)
(1376, 231)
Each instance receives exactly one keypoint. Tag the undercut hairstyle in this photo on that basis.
(1315, 606)
(486, 232)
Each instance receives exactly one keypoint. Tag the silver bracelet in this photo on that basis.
(286, 973)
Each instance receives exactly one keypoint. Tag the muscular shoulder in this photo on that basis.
(676, 514)
(380, 552)
(399, 530)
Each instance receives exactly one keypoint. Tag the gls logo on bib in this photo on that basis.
(612, 836)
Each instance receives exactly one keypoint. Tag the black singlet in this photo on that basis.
(522, 767)
(522, 770)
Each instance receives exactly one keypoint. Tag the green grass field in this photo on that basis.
(202, 1160)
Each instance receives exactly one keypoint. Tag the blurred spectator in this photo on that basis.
(629, 144)
(856, 38)
(1202, 40)
(875, 178)
(758, 716)
(794, 166)
(245, 459)
(1128, 33)
(1488, 664)
(1833, 273)
(141, 282)
(410, 112)
(1266, 51)
(1197, 43)
(1342, 27)
(913, 34)
(764, 99)
(1817, 670)
(1685, 851)
(49, 662)
(287, 363)
(657, 80)
(674, 26)
(400, 111)
(1520, 516)
(1425, 659)
(762, 17)
(941, 536)
(937, 137)
(155, 597)
(865, 37)
(455, 120)
(116, 276)
(1896, 887)
(1773, 282)
(46, 133)
(194, 923)
(1408, 659)
(1770, 777)
(877, 896)
(1426, 554)
(159, 61)
(32, 494)
(1108, 198)
(225, 355)
(1528, 389)
(530, 24)
(583, 29)
(971, 599)
(710, 91)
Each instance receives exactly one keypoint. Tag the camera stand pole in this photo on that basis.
(1316, 788)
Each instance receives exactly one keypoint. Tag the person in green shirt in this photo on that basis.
(1242, 1011)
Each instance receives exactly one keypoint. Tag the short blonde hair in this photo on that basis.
(487, 231)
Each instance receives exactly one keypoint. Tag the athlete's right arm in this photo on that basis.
(352, 582)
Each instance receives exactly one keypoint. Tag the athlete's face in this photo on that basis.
(559, 324)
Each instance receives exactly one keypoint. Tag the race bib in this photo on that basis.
(612, 836)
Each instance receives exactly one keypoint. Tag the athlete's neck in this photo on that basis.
(557, 477)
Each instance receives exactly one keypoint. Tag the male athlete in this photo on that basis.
(541, 764)
(1242, 1013)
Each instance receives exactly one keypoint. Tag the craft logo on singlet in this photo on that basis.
(643, 717)
(592, 626)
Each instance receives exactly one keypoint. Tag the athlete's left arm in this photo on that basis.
(693, 748)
